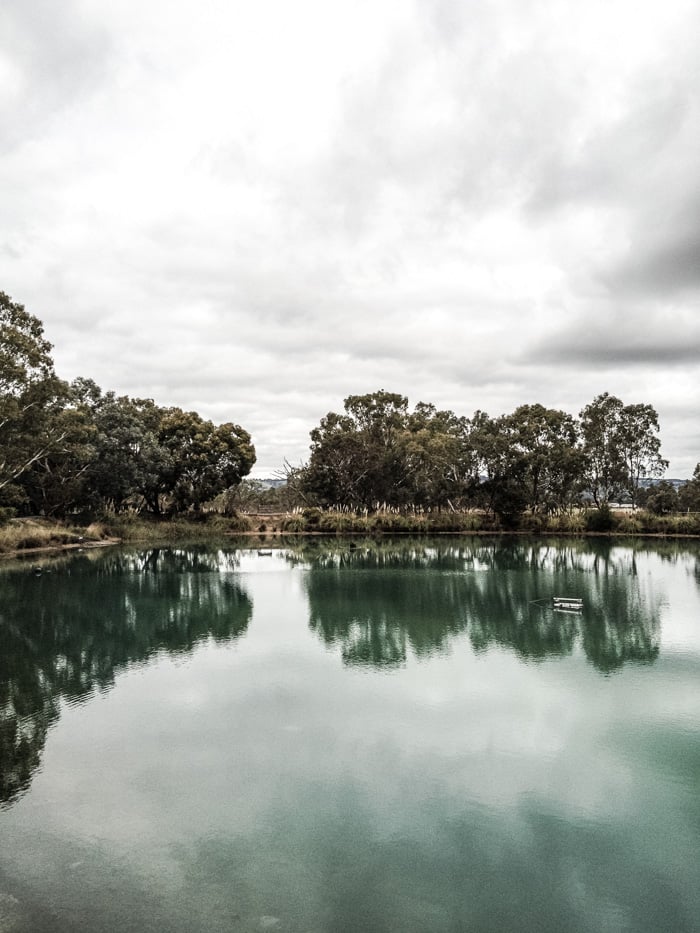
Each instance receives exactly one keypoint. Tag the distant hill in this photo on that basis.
(270, 483)
(646, 483)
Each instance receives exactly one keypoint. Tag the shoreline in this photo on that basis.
(273, 538)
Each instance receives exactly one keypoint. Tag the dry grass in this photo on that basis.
(24, 534)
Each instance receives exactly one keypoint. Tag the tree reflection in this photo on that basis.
(60, 640)
(376, 615)
(376, 601)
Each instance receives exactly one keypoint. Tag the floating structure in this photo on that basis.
(262, 553)
(567, 603)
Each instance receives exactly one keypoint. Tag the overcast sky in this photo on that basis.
(255, 209)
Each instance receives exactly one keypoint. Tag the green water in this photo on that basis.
(402, 737)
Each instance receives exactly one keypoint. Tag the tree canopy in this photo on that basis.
(69, 447)
(379, 452)
(31, 395)
(66, 448)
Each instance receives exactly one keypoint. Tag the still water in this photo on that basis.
(401, 737)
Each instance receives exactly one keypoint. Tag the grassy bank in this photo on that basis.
(136, 528)
(580, 522)
(29, 534)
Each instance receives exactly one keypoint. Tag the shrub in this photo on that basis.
(293, 524)
(628, 523)
(96, 531)
(600, 520)
(312, 517)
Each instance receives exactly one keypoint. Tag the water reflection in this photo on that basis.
(370, 601)
(62, 642)
(376, 603)
(375, 615)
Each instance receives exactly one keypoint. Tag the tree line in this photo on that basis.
(66, 447)
(70, 447)
(379, 452)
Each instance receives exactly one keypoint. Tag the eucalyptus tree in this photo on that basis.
(439, 464)
(547, 441)
(689, 493)
(31, 394)
(380, 420)
(129, 463)
(662, 499)
(621, 446)
(171, 459)
(336, 467)
(58, 481)
(203, 459)
(357, 458)
(641, 446)
(604, 465)
(379, 452)
(501, 467)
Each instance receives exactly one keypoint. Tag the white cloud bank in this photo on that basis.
(256, 209)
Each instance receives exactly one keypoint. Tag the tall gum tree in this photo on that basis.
(547, 440)
(31, 395)
(356, 458)
(641, 446)
(621, 446)
(689, 493)
(205, 459)
(379, 453)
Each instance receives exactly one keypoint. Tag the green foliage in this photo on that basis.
(534, 461)
(137, 452)
(600, 520)
(628, 523)
(546, 442)
(6, 514)
(67, 448)
(571, 522)
(293, 524)
(620, 446)
(376, 467)
(252, 495)
(689, 494)
(202, 459)
(663, 499)
(312, 518)
(386, 521)
(31, 395)
(380, 454)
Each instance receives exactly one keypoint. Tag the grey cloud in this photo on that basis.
(664, 256)
(666, 267)
(466, 128)
(638, 171)
(463, 189)
(622, 344)
(57, 53)
(616, 162)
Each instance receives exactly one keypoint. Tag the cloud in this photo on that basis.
(664, 262)
(257, 210)
(53, 59)
(663, 341)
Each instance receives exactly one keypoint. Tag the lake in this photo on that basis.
(400, 737)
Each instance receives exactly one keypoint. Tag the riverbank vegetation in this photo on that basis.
(89, 459)
(37, 534)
